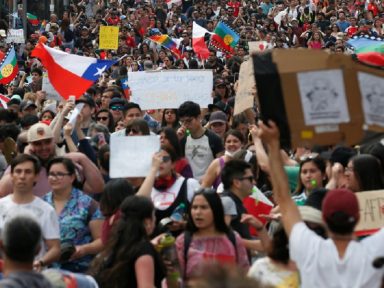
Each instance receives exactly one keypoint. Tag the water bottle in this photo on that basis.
(178, 213)
(187, 132)
(167, 250)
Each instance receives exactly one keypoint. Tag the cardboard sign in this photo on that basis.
(109, 37)
(246, 89)
(371, 205)
(15, 36)
(131, 156)
(341, 122)
(169, 89)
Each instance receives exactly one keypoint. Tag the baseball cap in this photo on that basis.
(219, 105)
(26, 104)
(39, 131)
(219, 82)
(341, 201)
(218, 117)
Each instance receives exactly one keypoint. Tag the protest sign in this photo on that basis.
(131, 156)
(15, 36)
(288, 80)
(259, 46)
(50, 91)
(246, 89)
(371, 205)
(156, 90)
(109, 37)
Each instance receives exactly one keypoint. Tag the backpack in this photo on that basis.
(187, 242)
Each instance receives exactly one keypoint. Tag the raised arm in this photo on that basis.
(290, 213)
(146, 187)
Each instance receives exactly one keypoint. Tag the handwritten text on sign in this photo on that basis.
(156, 90)
(109, 37)
(371, 210)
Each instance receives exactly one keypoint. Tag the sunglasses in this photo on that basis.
(103, 118)
(117, 107)
(309, 156)
(166, 158)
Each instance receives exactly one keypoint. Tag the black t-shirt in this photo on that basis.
(146, 248)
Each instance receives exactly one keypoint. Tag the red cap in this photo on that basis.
(341, 200)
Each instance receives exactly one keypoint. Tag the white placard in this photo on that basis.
(75, 113)
(156, 90)
(131, 156)
(49, 89)
(323, 97)
(372, 98)
(15, 36)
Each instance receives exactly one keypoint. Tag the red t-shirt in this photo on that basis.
(235, 6)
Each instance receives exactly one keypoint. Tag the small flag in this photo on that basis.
(165, 41)
(4, 100)
(8, 67)
(368, 51)
(32, 19)
(225, 38)
(125, 87)
(198, 43)
(171, 2)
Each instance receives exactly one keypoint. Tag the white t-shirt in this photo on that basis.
(43, 213)
(162, 200)
(320, 265)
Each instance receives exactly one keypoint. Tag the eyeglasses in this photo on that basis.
(310, 156)
(186, 121)
(249, 178)
(58, 175)
(166, 158)
(102, 118)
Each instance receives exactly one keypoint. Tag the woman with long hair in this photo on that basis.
(169, 137)
(364, 173)
(233, 144)
(167, 189)
(130, 259)
(79, 216)
(170, 119)
(311, 175)
(207, 239)
(316, 41)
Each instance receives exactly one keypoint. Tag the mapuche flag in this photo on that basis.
(32, 19)
(8, 67)
(368, 51)
(225, 38)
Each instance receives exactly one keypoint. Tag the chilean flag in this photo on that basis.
(4, 100)
(125, 87)
(198, 43)
(70, 74)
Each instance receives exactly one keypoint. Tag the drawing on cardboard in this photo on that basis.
(323, 97)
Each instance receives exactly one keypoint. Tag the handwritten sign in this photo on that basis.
(109, 37)
(15, 36)
(246, 89)
(371, 205)
(131, 156)
(156, 90)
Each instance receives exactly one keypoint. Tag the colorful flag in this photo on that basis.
(125, 87)
(225, 38)
(32, 19)
(4, 100)
(8, 67)
(165, 41)
(368, 51)
(198, 43)
(70, 74)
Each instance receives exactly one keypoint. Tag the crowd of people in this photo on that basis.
(240, 210)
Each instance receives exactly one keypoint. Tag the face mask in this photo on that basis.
(231, 154)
